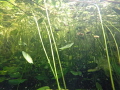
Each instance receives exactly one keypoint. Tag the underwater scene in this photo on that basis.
(59, 44)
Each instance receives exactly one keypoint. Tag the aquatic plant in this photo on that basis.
(106, 47)
(44, 31)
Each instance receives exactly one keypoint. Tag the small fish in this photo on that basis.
(88, 32)
(96, 36)
(27, 57)
(66, 46)
(79, 34)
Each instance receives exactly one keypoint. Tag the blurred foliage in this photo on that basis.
(84, 61)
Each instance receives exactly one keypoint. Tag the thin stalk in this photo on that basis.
(57, 56)
(55, 47)
(106, 47)
(114, 26)
(43, 44)
(56, 76)
(118, 53)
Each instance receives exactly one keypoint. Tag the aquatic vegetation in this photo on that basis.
(76, 73)
(44, 88)
(99, 87)
(106, 48)
(65, 44)
(16, 81)
(27, 57)
(94, 70)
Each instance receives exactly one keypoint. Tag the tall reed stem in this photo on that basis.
(55, 49)
(106, 47)
(43, 44)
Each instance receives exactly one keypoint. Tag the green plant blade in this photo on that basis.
(2, 79)
(98, 86)
(27, 57)
(16, 81)
(76, 73)
(2, 72)
(66, 46)
(44, 88)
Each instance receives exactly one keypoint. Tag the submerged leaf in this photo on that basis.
(3, 72)
(40, 20)
(11, 70)
(44, 88)
(76, 73)
(41, 77)
(98, 86)
(27, 57)
(16, 81)
(66, 46)
(15, 75)
(93, 70)
(2, 79)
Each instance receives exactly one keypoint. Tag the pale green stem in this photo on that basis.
(56, 76)
(118, 53)
(43, 44)
(58, 57)
(106, 47)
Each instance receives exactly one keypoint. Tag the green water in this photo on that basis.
(50, 45)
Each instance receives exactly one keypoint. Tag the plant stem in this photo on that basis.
(43, 44)
(106, 47)
(48, 19)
